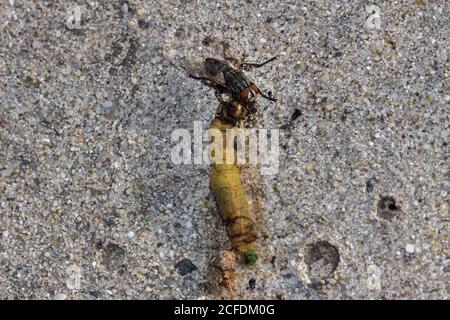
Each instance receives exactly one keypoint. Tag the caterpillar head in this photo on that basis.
(231, 112)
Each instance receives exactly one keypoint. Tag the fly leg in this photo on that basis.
(256, 65)
(268, 97)
(250, 108)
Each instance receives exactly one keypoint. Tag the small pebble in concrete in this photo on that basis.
(410, 248)
(185, 266)
(59, 296)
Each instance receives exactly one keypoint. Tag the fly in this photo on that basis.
(226, 75)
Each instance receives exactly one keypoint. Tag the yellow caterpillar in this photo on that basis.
(225, 183)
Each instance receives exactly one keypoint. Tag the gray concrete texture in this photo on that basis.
(93, 208)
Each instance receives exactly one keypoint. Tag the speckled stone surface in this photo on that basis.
(92, 207)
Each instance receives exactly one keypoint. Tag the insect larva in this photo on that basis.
(231, 198)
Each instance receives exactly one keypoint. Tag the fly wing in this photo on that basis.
(220, 48)
(198, 57)
(210, 69)
(178, 48)
(214, 45)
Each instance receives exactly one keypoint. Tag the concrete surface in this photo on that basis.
(92, 207)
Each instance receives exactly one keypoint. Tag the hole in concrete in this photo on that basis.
(273, 261)
(370, 184)
(388, 207)
(113, 256)
(322, 259)
(392, 206)
(143, 24)
(297, 113)
(251, 284)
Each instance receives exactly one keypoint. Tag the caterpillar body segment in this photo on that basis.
(231, 198)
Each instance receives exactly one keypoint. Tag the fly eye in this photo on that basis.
(244, 94)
